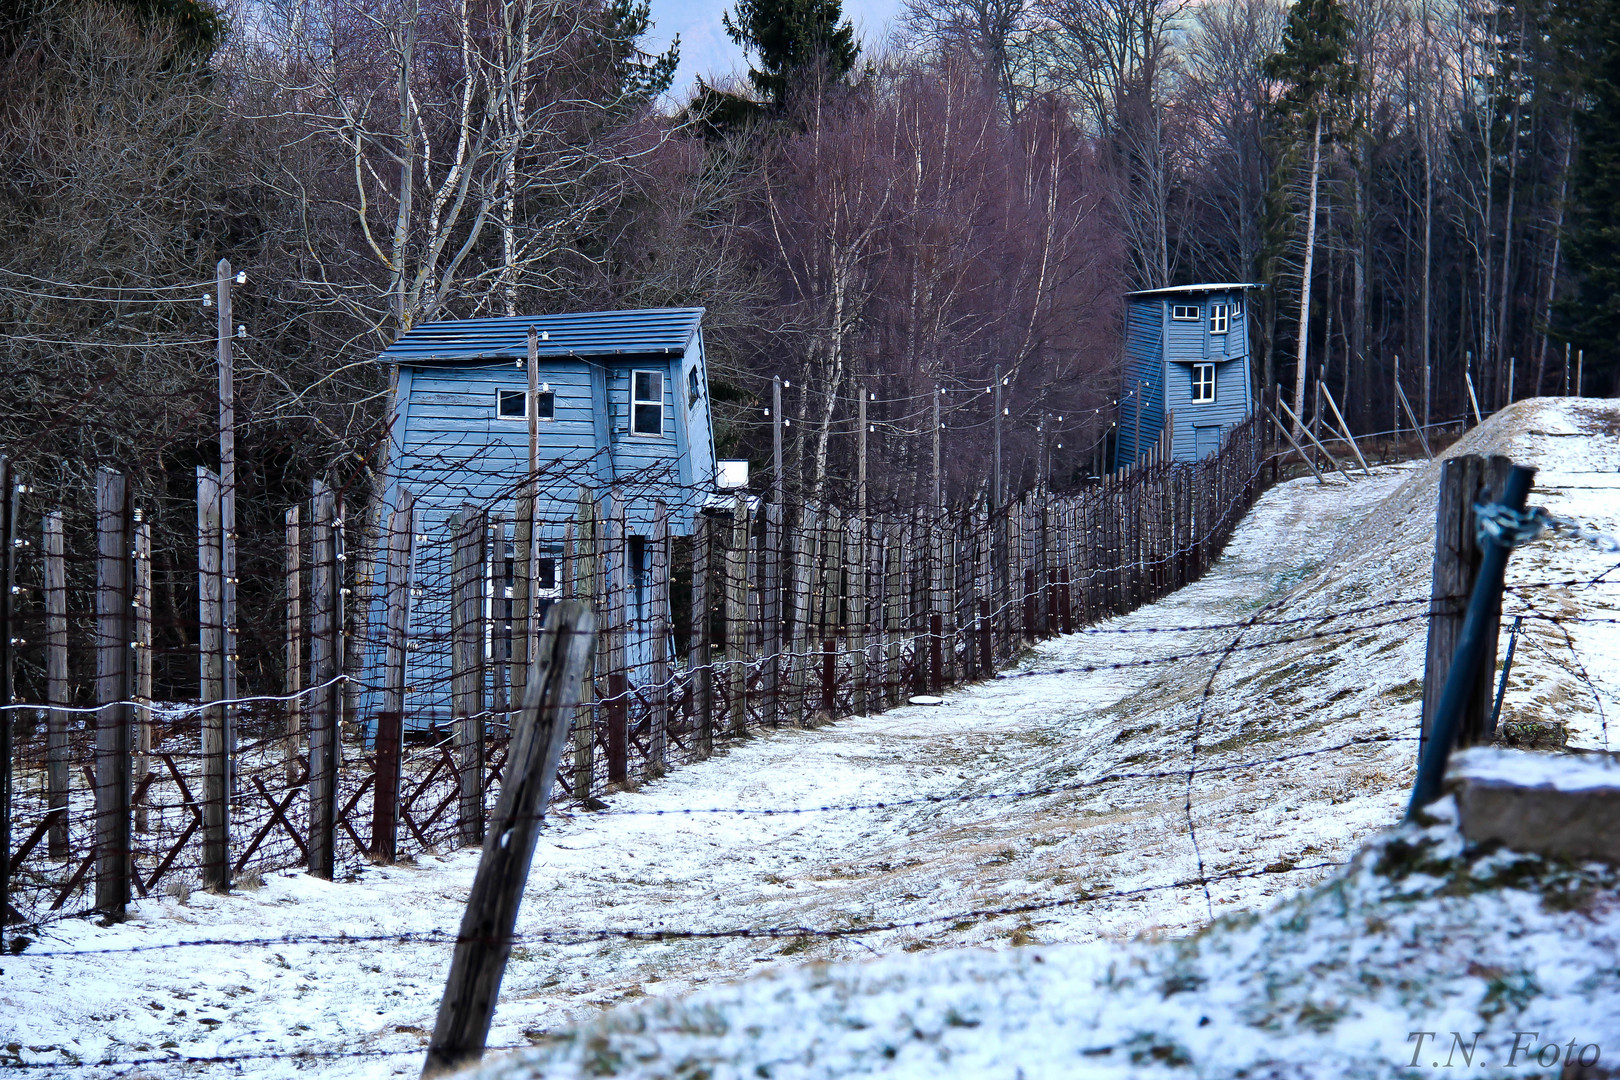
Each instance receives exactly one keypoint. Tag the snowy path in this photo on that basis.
(1322, 547)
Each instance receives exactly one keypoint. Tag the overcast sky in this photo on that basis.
(706, 51)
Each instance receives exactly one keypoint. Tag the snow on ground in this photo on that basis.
(1103, 857)
(1425, 954)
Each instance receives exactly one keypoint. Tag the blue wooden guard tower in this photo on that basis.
(622, 407)
(1187, 365)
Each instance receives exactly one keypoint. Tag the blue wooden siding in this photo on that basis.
(449, 447)
(1161, 352)
(1144, 364)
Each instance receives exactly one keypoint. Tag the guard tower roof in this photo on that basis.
(1208, 287)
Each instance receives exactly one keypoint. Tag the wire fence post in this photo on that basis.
(8, 692)
(467, 670)
(323, 665)
(616, 578)
(216, 860)
(698, 654)
(1475, 654)
(390, 736)
(293, 683)
(484, 943)
(659, 612)
(141, 659)
(57, 750)
(113, 638)
(1465, 480)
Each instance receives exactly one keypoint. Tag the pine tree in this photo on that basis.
(796, 41)
(1589, 313)
(1319, 82)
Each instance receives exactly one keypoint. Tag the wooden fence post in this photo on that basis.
(500, 619)
(588, 553)
(735, 607)
(57, 773)
(855, 548)
(216, 855)
(390, 739)
(616, 584)
(522, 594)
(698, 651)
(114, 632)
(141, 658)
(467, 670)
(771, 605)
(484, 943)
(658, 673)
(294, 684)
(8, 688)
(323, 668)
(1464, 481)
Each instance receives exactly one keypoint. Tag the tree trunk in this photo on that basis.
(1305, 277)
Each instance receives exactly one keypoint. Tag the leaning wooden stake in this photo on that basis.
(1344, 428)
(485, 941)
(1303, 456)
(1315, 441)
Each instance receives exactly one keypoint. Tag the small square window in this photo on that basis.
(1218, 318)
(1203, 383)
(694, 392)
(509, 405)
(647, 402)
(1184, 312)
(545, 573)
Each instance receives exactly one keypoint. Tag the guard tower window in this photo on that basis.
(1218, 318)
(1184, 312)
(693, 391)
(509, 405)
(1203, 383)
(647, 402)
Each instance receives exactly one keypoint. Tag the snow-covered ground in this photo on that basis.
(1336, 698)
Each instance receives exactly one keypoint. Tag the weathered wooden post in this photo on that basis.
(216, 860)
(8, 689)
(484, 943)
(141, 573)
(523, 594)
(735, 607)
(588, 552)
(114, 632)
(771, 608)
(658, 673)
(616, 582)
(500, 633)
(698, 650)
(325, 621)
(1465, 481)
(294, 684)
(57, 773)
(390, 741)
(467, 669)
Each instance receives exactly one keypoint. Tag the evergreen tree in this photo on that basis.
(640, 76)
(795, 41)
(1318, 83)
(1589, 313)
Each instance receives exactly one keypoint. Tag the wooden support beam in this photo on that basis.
(216, 860)
(390, 730)
(484, 943)
(114, 632)
(325, 620)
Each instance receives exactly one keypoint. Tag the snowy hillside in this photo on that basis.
(1259, 728)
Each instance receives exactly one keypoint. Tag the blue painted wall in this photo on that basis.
(1160, 352)
(449, 447)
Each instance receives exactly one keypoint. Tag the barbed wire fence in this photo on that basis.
(135, 769)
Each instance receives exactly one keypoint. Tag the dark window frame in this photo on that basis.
(641, 407)
(1203, 378)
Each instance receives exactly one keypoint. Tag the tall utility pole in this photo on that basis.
(776, 440)
(531, 564)
(860, 449)
(939, 500)
(995, 486)
(227, 512)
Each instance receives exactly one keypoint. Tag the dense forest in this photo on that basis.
(1427, 180)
